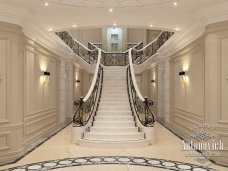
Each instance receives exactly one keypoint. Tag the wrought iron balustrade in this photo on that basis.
(87, 108)
(139, 56)
(114, 59)
(141, 108)
(90, 56)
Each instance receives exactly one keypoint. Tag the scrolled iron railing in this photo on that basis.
(114, 58)
(140, 55)
(90, 56)
(88, 105)
(139, 105)
(141, 108)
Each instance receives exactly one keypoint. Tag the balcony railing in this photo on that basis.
(140, 55)
(90, 56)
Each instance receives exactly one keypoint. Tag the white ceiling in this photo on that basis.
(111, 3)
(63, 14)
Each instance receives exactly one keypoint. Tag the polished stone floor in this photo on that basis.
(58, 153)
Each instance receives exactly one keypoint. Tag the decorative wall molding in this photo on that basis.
(4, 138)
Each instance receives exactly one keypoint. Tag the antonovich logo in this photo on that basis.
(204, 140)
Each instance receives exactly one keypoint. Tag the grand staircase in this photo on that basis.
(114, 124)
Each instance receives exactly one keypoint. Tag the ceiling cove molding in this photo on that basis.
(49, 40)
(190, 33)
(34, 31)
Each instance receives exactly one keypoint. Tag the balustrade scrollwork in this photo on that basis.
(90, 56)
(142, 108)
(139, 56)
(86, 109)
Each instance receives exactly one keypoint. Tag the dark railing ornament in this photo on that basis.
(78, 119)
(87, 108)
(139, 56)
(87, 55)
(141, 108)
(149, 119)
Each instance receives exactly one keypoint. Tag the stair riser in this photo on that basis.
(114, 137)
(112, 130)
(116, 104)
(117, 124)
(114, 86)
(114, 100)
(113, 89)
(113, 96)
(113, 108)
(114, 119)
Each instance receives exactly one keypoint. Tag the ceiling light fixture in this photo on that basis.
(74, 25)
(177, 29)
(114, 24)
(50, 29)
(175, 3)
(151, 25)
(110, 10)
(46, 4)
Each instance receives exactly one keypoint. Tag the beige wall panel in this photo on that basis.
(41, 99)
(4, 141)
(3, 80)
(189, 94)
(135, 35)
(224, 80)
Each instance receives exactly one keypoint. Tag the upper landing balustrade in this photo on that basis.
(139, 53)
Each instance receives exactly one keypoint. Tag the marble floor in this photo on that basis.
(58, 153)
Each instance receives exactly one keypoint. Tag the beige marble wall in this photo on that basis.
(11, 92)
(187, 96)
(201, 97)
(41, 111)
(30, 110)
(216, 82)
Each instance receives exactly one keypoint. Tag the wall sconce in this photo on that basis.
(45, 77)
(77, 82)
(153, 82)
(183, 75)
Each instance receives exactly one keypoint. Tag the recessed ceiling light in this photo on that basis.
(74, 25)
(46, 4)
(50, 29)
(151, 25)
(115, 24)
(177, 29)
(175, 3)
(110, 10)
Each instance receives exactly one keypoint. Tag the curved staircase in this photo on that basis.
(114, 124)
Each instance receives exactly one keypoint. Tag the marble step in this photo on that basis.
(113, 123)
(114, 113)
(111, 91)
(114, 144)
(121, 78)
(114, 95)
(114, 85)
(114, 88)
(114, 136)
(111, 82)
(114, 108)
(113, 100)
(114, 118)
(118, 103)
(113, 129)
